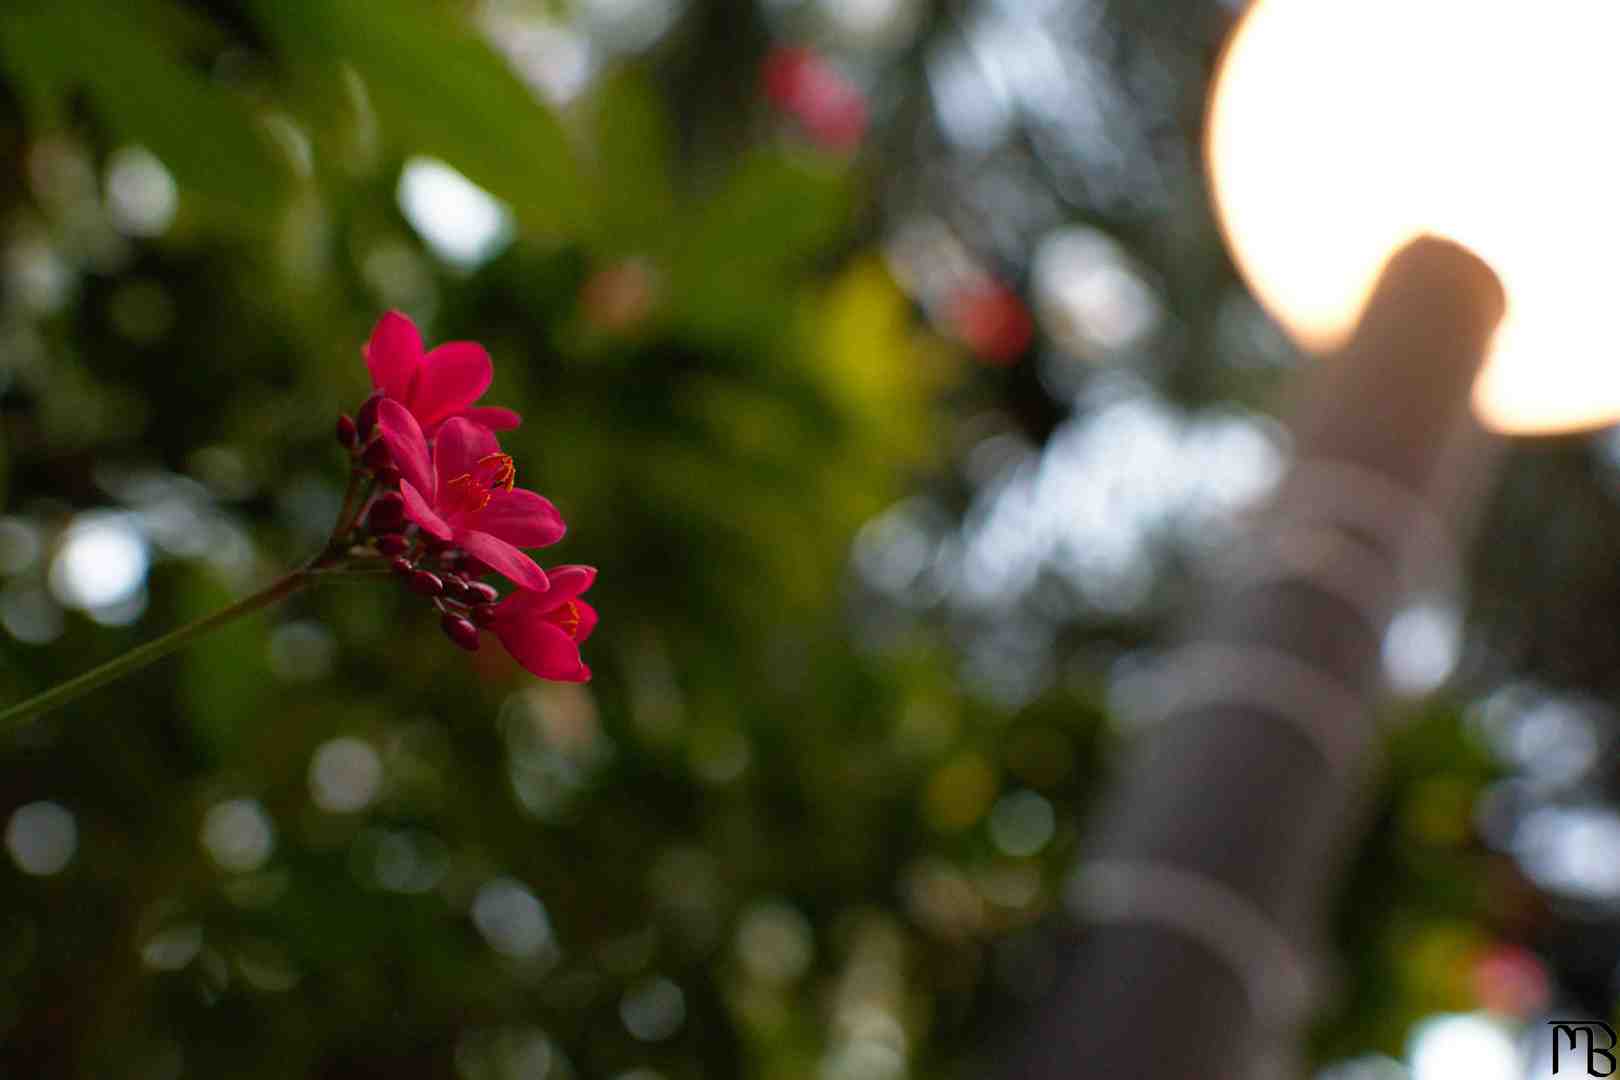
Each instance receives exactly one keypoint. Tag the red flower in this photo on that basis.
(462, 491)
(993, 322)
(543, 629)
(821, 98)
(436, 386)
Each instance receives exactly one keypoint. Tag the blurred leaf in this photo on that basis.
(138, 82)
(878, 366)
(633, 141)
(439, 89)
(223, 674)
(776, 214)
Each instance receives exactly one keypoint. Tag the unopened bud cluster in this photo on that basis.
(449, 577)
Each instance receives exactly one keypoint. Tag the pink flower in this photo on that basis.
(462, 491)
(804, 85)
(543, 630)
(436, 386)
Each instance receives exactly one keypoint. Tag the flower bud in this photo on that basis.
(455, 586)
(481, 592)
(427, 583)
(376, 455)
(388, 477)
(460, 631)
(387, 513)
(392, 544)
(482, 614)
(399, 564)
(348, 436)
(366, 418)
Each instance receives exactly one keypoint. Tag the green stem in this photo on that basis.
(152, 651)
(347, 516)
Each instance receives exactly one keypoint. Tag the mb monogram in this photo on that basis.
(1572, 1030)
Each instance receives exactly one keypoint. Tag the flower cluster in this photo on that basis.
(441, 503)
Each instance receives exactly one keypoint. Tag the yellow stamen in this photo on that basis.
(505, 470)
(567, 618)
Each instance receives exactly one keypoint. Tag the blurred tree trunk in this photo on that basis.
(1199, 908)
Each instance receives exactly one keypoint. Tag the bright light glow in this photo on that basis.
(1341, 129)
(460, 221)
(1449, 1047)
(1090, 298)
(101, 564)
(1422, 647)
(1573, 850)
(553, 59)
(141, 195)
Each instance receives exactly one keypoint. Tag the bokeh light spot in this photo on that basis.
(463, 224)
(238, 835)
(775, 943)
(345, 775)
(42, 838)
(141, 195)
(653, 1009)
(512, 920)
(101, 563)
(1454, 1046)
(1021, 823)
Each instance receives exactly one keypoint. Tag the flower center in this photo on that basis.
(470, 492)
(565, 618)
(496, 471)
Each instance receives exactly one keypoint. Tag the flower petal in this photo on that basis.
(494, 417)
(418, 510)
(458, 447)
(519, 517)
(393, 354)
(405, 441)
(452, 377)
(504, 559)
(542, 648)
(587, 621)
(568, 582)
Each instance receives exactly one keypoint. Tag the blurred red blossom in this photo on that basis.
(992, 320)
(1510, 980)
(823, 100)
(619, 297)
